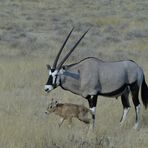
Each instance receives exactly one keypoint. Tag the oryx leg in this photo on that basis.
(126, 105)
(92, 100)
(135, 93)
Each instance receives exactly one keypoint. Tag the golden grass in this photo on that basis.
(23, 123)
(140, 45)
(23, 73)
(110, 20)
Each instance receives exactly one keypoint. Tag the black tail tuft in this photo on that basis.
(144, 93)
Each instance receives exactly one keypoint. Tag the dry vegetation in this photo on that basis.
(31, 32)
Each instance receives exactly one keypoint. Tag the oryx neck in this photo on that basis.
(72, 75)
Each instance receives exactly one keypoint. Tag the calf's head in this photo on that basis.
(51, 107)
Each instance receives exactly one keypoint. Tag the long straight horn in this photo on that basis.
(69, 53)
(56, 60)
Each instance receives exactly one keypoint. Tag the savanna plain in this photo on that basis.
(31, 33)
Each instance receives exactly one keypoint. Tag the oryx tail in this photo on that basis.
(144, 92)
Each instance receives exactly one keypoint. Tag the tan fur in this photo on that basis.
(67, 111)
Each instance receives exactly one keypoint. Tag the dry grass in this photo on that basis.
(31, 32)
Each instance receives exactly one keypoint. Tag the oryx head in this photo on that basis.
(56, 70)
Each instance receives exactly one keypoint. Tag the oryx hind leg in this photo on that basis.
(135, 94)
(126, 105)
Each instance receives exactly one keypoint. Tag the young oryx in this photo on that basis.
(92, 77)
(69, 111)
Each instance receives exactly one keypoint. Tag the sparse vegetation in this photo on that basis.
(31, 32)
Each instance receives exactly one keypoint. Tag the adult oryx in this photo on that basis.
(92, 77)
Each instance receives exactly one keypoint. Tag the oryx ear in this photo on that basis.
(48, 66)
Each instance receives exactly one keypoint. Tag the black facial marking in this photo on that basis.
(55, 80)
(50, 79)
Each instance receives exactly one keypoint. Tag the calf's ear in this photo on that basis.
(56, 102)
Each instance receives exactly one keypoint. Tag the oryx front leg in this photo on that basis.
(93, 110)
(92, 100)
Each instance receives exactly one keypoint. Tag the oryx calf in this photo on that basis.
(67, 111)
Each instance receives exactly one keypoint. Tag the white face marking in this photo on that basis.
(53, 73)
(48, 88)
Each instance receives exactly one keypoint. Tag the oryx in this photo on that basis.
(92, 77)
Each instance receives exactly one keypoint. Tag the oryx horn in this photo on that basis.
(72, 49)
(56, 60)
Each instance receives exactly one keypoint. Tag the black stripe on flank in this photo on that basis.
(115, 92)
(119, 90)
